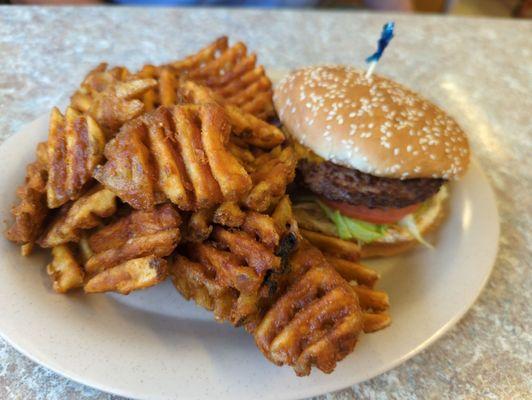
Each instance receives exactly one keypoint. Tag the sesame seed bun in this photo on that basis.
(373, 125)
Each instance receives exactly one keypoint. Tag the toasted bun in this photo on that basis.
(373, 125)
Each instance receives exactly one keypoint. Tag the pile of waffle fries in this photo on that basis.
(176, 171)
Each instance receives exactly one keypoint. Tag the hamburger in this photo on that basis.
(374, 157)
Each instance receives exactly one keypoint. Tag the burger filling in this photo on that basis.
(358, 206)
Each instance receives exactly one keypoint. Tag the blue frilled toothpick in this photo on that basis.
(386, 37)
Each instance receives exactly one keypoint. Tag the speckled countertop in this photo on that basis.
(480, 70)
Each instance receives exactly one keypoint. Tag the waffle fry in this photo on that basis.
(249, 128)
(274, 171)
(75, 147)
(139, 234)
(231, 73)
(64, 270)
(30, 213)
(227, 272)
(316, 322)
(83, 214)
(134, 274)
(352, 271)
(192, 166)
(332, 245)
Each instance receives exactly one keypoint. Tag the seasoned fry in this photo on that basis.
(199, 226)
(316, 322)
(139, 234)
(375, 322)
(228, 172)
(84, 213)
(333, 245)
(371, 299)
(246, 126)
(64, 270)
(229, 214)
(135, 274)
(231, 73)
(75, 147)
(352, 271)
(129, 171)
(257, 255)
(177, 153)
(30, 213)
(274, 172)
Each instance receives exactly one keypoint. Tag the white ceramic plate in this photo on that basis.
(154, 345)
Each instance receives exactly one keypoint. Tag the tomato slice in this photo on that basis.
(373, 215)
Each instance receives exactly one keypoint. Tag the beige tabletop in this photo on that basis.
(45, 52)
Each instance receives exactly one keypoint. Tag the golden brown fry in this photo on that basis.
(196, 161)
(31, 211)
(173, 180)
(64, 270)
(375, 322)
(228, 172)
(316, 322)
(273, 174)
(139, 234)
(75, 147)
(199, 226)
(257, 256)
(194, 281)
(84, 213)
(135, 274)
(371, 299)
(352, 271)
(263, 227)
(129, 171)
(333, 245)
(231, 73)
(229, 214)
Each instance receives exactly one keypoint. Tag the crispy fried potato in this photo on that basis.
(129, 171)
(316, 322)
(84, 213)
(75, 147)
(134, 274)
(199, 226)
(229, 214)
(139, 234)
(178, 153)
(231, 73)
(352, 271)
(64, 270)
(257, 256)
(375, 322)
(245, 125)
(30, 213)
(333, 245)
(275, 170)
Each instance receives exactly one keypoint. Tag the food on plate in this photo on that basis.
(134, 274)
(29, 214)
(65, 270)
(137, 234)
(232, 74)
(177, 170)
(75, 146)
(374, 156)
(78, 216)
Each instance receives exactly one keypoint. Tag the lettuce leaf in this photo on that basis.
(409, 223)
(350, 228)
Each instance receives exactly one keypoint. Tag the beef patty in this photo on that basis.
(338, 183)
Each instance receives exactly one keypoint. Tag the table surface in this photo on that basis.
(480, 70)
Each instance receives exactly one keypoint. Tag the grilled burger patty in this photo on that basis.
(338, 183)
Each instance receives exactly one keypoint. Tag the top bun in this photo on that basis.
(371, 124)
